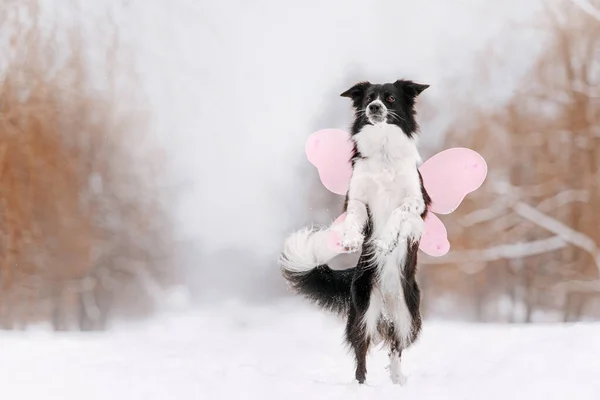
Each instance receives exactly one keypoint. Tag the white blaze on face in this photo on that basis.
(376, 112)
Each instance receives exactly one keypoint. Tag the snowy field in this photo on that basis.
(294, 352)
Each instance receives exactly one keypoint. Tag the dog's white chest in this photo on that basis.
(392, 182)
(391, 176)
(388, 171)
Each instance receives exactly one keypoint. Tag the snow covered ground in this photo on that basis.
(291, 351)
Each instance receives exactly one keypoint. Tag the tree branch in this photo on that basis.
(588, 7)
(553, 225)
(504, 251)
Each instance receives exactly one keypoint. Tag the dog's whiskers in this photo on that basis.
(395, 115)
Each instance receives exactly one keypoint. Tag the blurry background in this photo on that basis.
(152, 152)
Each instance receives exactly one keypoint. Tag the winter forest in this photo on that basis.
(152, 164)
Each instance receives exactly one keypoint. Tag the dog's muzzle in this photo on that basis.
(376, 112)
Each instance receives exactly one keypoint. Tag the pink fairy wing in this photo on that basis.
(450, 175)
(330, 150)
(335, 237)
(434, 240)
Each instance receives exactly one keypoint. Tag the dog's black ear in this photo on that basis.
(410, 87)
(356, 91)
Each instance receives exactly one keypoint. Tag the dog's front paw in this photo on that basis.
(412, 205)
(387, 242)
(351, 239)
(412, 228)
(383, 247)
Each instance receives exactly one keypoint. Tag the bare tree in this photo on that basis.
(543, 189)
(83, 228)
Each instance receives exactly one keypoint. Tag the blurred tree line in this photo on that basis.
(84, 233)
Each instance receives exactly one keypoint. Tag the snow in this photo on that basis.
(293, 351)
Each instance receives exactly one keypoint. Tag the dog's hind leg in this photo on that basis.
(360, 321)
(395, 356)
(358, 340)
(394, 353)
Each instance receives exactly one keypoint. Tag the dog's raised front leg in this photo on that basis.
(353, 227)
(405, 223)
(356, 212)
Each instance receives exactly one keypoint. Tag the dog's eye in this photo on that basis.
(391, 99)
(369, 98)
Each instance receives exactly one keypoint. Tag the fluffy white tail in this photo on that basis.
(306, 249)
(304, 266)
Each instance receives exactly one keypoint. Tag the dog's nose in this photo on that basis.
(374, 107)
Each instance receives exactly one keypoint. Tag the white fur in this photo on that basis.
(387, 180)
(351, 230)
(371, 317)
(306, 249)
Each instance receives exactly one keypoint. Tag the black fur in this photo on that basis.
(328, 288)
(348, 292)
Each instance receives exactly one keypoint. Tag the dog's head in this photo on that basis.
(391, 103)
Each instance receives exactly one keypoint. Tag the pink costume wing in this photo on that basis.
(330, 150)
(434, 240)
(450, 175)
(335, 237)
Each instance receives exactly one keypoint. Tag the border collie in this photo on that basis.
(385, 204)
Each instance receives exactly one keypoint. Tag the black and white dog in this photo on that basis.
(386, 204)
